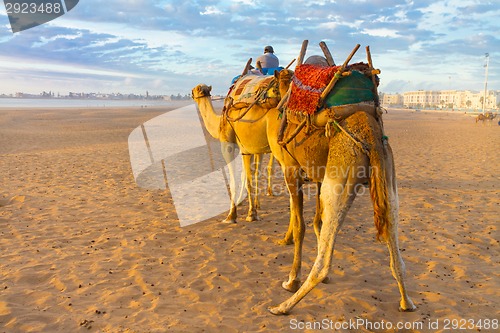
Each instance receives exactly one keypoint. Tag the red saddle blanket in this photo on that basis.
(310, 81)
(308, 84)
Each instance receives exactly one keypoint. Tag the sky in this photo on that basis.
(168, 47)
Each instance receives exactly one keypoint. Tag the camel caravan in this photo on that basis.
(323, 122)
(488, 116)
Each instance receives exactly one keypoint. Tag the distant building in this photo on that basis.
(392, 99)
(422, 99)
(444, 99)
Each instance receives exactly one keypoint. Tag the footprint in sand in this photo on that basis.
(17, 199)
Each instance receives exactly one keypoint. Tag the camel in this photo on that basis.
(486, 116)
(343, 168)
(343, 156)
(249, 133)
(349, 166)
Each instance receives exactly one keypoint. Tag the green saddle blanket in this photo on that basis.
(352, 89)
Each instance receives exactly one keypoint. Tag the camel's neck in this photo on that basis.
(210, 118)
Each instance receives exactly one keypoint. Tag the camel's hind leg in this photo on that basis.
(336, 199)
(398, 269)
(397, 263)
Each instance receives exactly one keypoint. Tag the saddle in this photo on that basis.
(314, 104)
(251, 90)
(310, 81)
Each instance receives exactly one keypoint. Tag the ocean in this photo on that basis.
(82, 103)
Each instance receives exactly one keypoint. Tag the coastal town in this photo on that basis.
(97, 96)
(453, 100)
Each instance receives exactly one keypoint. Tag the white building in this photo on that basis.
(444, 99)
(391, 99)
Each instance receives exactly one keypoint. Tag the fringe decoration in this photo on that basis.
(308, 84)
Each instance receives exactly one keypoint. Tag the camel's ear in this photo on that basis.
(209, 88)
(276, 74)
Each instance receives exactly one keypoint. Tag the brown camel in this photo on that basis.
(486, 116)
(343, 165)
(245, 127)
(343, 156)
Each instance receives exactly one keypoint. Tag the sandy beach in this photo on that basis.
(84, 249)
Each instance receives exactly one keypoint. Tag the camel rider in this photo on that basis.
(268, 61)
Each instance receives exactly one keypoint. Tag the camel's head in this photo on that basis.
(201, 90)
(284, 78)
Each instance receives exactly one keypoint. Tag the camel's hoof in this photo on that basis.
(285, 241)
(409, 308)
(229, 221)
(251, 218)
(291, 286)
(276, 310)
(270, 193)
(326, 280)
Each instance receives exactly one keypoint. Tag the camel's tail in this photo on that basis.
(379, 190)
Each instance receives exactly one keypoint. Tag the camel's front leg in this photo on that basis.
(317, 220)
(317, 214)
(252, 210)
(294, 183)
(232, 215)
(228, 152)
(288, 239)
(256, 175)
(335, 207)
(270, 171)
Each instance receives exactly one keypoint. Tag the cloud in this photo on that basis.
(159, 43)
(211, 10)
(382, 32)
